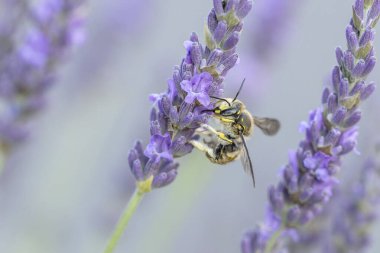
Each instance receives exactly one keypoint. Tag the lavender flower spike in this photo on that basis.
(28, 66)
(309, 178)
(344, 225)
(178, 111)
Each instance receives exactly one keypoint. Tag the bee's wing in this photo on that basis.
(246, 160)
(269, 126)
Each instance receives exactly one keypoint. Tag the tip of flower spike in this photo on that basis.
(145, 186)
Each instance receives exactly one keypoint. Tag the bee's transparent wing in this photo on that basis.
(269, 126)
(246, 160)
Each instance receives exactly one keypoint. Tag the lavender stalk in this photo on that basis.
(344, 225)
(179, 111)
(28, 65)
(309, 178)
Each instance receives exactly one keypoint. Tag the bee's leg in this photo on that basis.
(221, 135)
(202, 147)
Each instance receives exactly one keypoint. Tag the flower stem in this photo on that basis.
(124, 219)
(273, 240)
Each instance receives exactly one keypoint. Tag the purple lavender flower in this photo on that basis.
(28, 65)
(197, 88)
(179, 111)
(344, 225)
(308, 179)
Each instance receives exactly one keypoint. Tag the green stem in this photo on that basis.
(124, 219)
(272, 241)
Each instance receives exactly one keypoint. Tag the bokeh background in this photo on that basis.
(63, 190)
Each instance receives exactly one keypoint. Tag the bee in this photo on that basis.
(227, 144)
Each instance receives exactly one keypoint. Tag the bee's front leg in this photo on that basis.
(220, 135)
(202, 147)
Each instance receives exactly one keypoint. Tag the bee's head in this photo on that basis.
(228, 108)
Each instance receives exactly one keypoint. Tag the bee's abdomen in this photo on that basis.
(224, 153)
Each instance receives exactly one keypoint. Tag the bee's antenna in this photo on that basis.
(222, 99)
(237, 94)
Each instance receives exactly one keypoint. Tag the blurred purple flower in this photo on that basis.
(270, 26)
(179, 111)
(28, 65)
(308, 179)
(267, 30)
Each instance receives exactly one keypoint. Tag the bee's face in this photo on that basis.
(230, 109)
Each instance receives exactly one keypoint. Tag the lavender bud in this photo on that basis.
(366, 37)
(229, 63)
(332, 136)
(339, 115)
(155, 127)
(177, 76)
(332, 103)
(353, 119)
(212, 21)
(325, 95)
(186, 121)
(275, 198)
(243, 8)
(132, 156)
(336, 77)
(173, 115)
(368, 90)
(137, 170)
(194, 37)
(230, 5)
(196, 54)
(305, 194)
(339, 55)
(352, 41)
(292, 185)
(231, 41)
(164, 105)
(214, 57)
(164, 178)
(359, 87)
(375, 10)
(220, 31)
(306, 216)
(370, 64)
(218, 7)
(293, 214)
(359, 68)
(359, 8)
(343, 88)
(347, 147)
(322, 175)
(349, 61)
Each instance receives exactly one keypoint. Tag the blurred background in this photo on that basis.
(64, 189)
